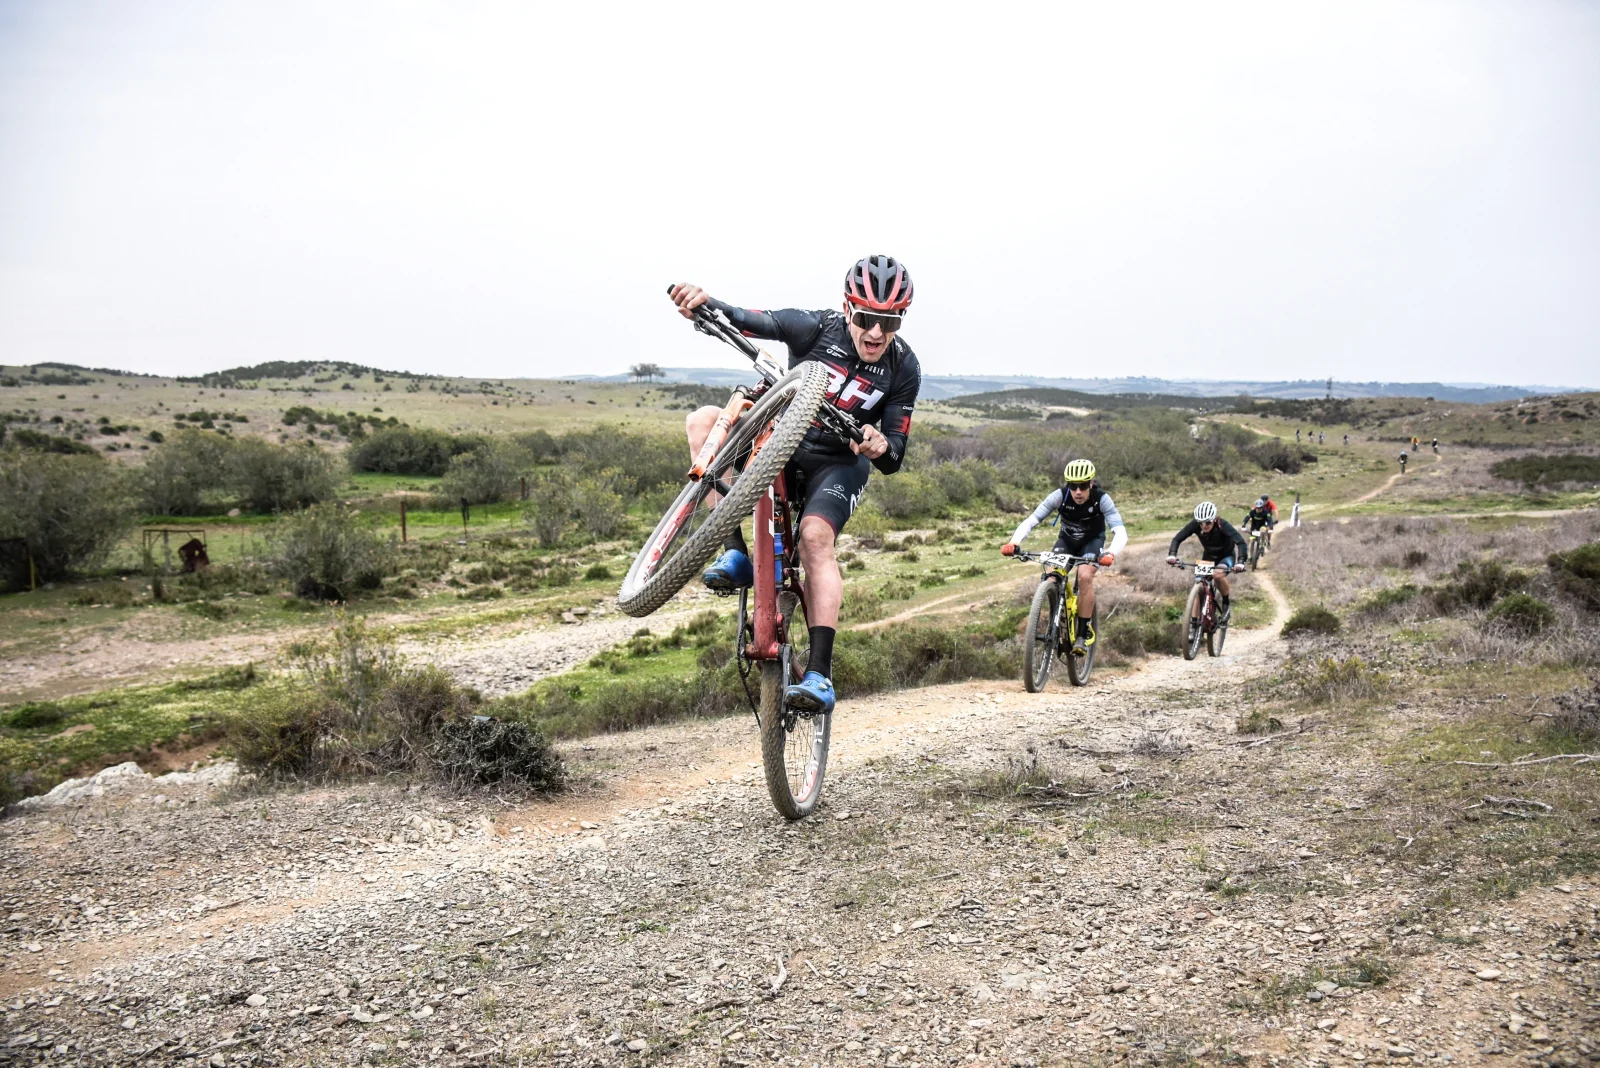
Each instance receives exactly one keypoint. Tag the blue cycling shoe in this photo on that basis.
(813, 694)
(730, 571)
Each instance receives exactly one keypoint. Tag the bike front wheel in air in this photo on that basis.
(1079, 665)
(690, 532)
(1039, 641)
(794, 747)
(1192, 633)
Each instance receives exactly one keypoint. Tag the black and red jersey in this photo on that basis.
(883, 394)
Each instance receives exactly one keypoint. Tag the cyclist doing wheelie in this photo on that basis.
(1220, 543)
(875, 377)
(1086, 512)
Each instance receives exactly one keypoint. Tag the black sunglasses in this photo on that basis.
(866, 320)
(1079, 485)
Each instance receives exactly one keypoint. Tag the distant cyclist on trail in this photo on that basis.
(1402, 461)
(1262, 514)
(1220, 544)
(1436, 446)
(1086, 512)
(875, 377)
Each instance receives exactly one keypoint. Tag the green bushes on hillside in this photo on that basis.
(68, 511)
(404, 450)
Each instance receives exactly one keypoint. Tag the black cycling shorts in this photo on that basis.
(1086, 547)
(827, 484)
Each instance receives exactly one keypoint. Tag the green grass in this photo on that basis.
(43, 742)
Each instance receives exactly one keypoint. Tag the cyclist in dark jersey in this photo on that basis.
(1218, 542)
(1086, 513)
(875, 377)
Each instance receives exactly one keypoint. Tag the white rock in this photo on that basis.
(1490, 974)
(255, 1001)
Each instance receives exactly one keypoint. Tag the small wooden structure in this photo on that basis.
(192, 551)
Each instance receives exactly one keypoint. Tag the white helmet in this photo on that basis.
(1205, 511)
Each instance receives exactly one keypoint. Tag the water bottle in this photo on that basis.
(777, 557)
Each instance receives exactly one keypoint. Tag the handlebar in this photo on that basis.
(1214, 563)
(1058, 559)
(709, 321)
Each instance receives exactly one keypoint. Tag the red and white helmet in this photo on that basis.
(878, 283)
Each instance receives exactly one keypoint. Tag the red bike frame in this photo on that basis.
(772, 510)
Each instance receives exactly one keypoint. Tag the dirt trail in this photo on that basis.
(662, 910)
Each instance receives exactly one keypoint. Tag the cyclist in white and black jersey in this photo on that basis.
(1087, 513)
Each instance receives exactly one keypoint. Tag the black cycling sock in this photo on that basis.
(821, 651)
(736, 541)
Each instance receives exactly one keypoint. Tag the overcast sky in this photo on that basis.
(1396, 191)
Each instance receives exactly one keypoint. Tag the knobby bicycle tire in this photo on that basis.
(794, 749)
(658, 572)
(1039, 645)
(1191, 623)
(1214, 640)
(1078, 667)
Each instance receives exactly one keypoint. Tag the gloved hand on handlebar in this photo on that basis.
(1107, 559)
(1239, 568)
(1008, 549)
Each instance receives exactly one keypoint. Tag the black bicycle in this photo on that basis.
(1053, 622)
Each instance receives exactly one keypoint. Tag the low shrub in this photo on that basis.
(354, 708)
(1522, 614)
(325, 555)
(1577, 573)
(955, 481)
(1313, 619)
(1141, 631)
(549, 508)
(1330, 680)
(1548, 470)
(1414, 558)
(484, 751)
(1576, 720)
(1258, 721)
(1475, 584)
(1381, 602)
(907, 494)
(597, 571)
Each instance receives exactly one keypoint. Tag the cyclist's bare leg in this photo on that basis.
(1085, 591)
(698, 424)
(1222, 585)
(824, 588)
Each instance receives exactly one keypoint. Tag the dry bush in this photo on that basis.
(354, 708)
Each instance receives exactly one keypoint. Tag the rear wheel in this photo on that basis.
(794, 747)
(1079, 666)
(691, 531)
(1039, 641)
(1193, 631)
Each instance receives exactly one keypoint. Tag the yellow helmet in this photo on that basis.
(1079, 471)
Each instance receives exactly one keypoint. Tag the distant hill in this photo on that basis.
(941, 387)
(289, 370)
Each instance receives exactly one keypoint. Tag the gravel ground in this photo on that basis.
(662, 913)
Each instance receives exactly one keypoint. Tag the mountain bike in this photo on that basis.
(1258, 545)
(1201, 620)
(739, 472)
(1053, 622)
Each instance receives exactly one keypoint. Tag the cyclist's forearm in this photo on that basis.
(1119, 539)
(1046, 506)
(893, 456)
(750, 321)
